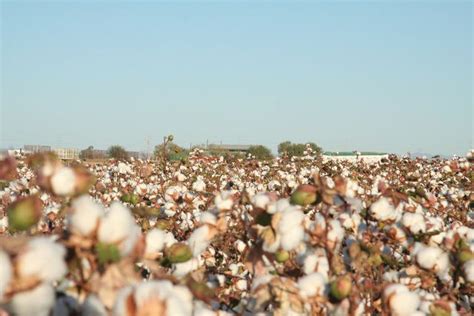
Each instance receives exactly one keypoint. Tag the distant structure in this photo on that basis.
(31, 149)
(67, 153)
(230, 148)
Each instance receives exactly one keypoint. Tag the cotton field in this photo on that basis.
(232, 236)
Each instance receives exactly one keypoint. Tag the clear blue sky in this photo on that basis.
(389, 76)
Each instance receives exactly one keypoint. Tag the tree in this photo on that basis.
(260, 152)
(172, 151)
(290, 149)
(117, 152)
(87, 153)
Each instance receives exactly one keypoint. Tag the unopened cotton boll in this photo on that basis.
(311, 285)
(415, 222)
(400, 300)
(37, 301)
(5, 272)
(43, 258)
(63, 181)
(85, 216)
(199, 240)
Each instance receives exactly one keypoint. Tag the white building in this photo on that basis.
(67, 153)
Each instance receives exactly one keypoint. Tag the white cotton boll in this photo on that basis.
(383, 210)
(469, 270)
(199, 185)
(273, 247)
(401, 301)
(335, 233)
(292, 238)
(120, 305)
(179, 302)
(208, 218)
(291, 218)
(241, 285)
(155, 241)
(261, 200)
(181, 269)
(37, 301)
(199, 240)
(224, 201)
(5, 272)
(316, 262)
(44, 259)
(200, 309)
(311, 285)
(415, 222)
(63, 181)
(180, 177)
(278, 206)
(116, 224)
(432, 258)
(240, 245)
(123, 168)
(3, 223)
(92, 306)
(85, 215)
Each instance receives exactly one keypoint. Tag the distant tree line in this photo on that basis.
(292, 149)
(170, 151)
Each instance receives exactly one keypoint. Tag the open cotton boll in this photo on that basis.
(199, 240)
(311, 285)
(43, 258)
(37, 301)
(63, 181)
(208, 218)
(85, 215)
(400, 300)
(291, 218)
(415, 222)
(199, 185)
(432, 258)
(181, 269)
(291, 239)
(335, 234)
(278, 206)
(5, 272)
(383, 210)
(120, 307)
(224, 201)
(156, 240)
(261, 200)
(92, 306)
(468, 268)
(316, 261)
(117, 223)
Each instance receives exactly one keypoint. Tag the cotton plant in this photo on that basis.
(215, 236)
